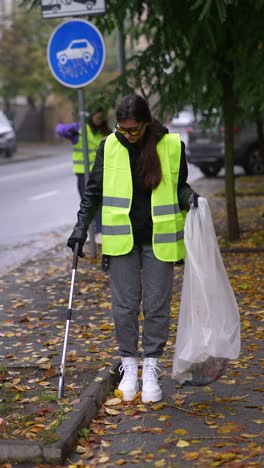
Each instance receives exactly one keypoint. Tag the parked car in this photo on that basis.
(206, 149)
(182, 122)
(7, 136)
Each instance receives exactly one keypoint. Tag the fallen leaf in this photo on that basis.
(135, 453)
(75, 402)
(182, 443)
(190, 455)
(158, 406)
(249, 436)
(164, 418)
(229, 427)
(2, 425)
(112, 402)
(112, 411)
(37, 428)
(180, 431)
(119, 394)
(104, 459)
(80, 449)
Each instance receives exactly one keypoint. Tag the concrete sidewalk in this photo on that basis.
(33, 318)
(221, 424)
(36, 150)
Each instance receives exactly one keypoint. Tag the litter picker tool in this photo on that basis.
(69, 314)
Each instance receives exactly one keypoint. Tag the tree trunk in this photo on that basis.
(7, 108)
(229, 108)
(42, 123)
(260, 132)
(121, 46)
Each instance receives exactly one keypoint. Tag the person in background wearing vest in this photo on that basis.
(139, 176)
(96, 128)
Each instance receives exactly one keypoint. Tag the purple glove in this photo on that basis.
(69, 131)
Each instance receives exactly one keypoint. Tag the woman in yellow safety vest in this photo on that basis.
(139, 177)
(96, 129)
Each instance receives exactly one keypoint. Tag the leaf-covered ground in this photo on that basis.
(250, 207)
(33, 317)
(221, 424)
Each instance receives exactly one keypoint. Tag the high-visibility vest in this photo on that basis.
(77, 150)
(168, 219)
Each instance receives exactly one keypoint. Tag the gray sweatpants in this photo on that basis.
(138, 276)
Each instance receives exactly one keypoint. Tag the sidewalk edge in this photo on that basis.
(90, 402)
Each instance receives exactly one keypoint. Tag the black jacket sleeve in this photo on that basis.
(184, 189)
(92, 198)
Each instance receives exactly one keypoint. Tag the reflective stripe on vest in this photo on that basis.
(116, 201)
(166, 209)
(77, 155)
(116, 230)
(166, 238)
(168, 220)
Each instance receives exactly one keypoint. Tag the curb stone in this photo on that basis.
(242, 249)
(35, 152)
(21, 158)
(90, 402)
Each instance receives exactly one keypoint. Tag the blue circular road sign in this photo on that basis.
(76, 53)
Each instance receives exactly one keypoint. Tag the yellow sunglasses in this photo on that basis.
(131, 131)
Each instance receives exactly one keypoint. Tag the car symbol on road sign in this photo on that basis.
(52, 7)
(88, 3)
(76, 53)
(77, 49)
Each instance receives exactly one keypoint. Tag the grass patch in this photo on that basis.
(45, 397)
(240, 194)
(5, 408)
(29, 402)
(248, 240)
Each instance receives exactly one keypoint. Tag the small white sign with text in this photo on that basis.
(63, 8)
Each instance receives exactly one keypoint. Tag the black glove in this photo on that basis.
(72, 133)
(105, 263)
(193, 200)
(71, 243)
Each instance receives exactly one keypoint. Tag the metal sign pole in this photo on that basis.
(86, 161)
(76, 55)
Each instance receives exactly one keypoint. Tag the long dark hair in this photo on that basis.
(135, 107)
(103, 128)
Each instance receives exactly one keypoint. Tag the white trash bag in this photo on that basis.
(208, 333)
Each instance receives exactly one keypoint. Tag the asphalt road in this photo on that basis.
(39, 201)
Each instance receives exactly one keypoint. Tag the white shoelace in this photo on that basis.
(128, 370)
(151, 372)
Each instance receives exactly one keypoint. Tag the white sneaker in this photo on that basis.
(129, 382)
(98, 238)
(151, 390)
